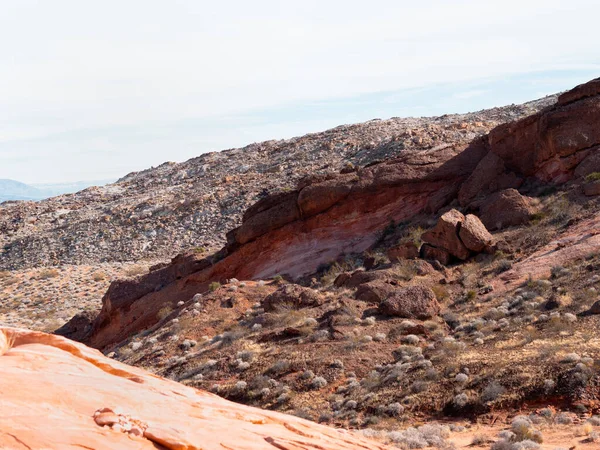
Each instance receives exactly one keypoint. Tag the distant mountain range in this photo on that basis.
(15, 190)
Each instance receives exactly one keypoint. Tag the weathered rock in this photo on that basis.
(374, 292)
(506, 208)
(589, 89)
(292, 296)
(269, 219)
(405, 250)
(489, 176)
(431, 253)
(474, 235)
(413, 302)
(359, 277)
(445, 234)
(590, 164)
(51, 414)
(592, 188)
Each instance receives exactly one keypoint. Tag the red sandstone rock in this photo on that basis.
(490, 175)
(431, 253)
(292, 296)
(592, 188)
(413, 302)
(277, 236)
(406, 250)
(590, 164)
(55, 391)
(359, 277)
(445, 234)
(474, 235)
(589, 89)
(506, 208)
(374, 291)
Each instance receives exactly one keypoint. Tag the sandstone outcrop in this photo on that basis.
(328, 215)
(412, 302)
(548, 145)
(455, 235)
(115, 406)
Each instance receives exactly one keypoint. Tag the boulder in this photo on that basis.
(445, 234)
(59, 394)
(359, 277)
(412, 302)
(374, 292)
(474, 235)
(431, 253)
(294, 296)
(506, 208)
(405, 250)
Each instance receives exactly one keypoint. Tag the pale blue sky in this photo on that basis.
(93, 90)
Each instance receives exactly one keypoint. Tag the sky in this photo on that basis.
(93, 90)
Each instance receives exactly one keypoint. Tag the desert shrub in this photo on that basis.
(279, 367)
(411, 339)
(419, 386)
(594, 176)
(278, 279)
(461, 378)
(98, 276)
(440, 291)
(135, 270)
(492, 391)
(460, 400)
(212, 287)
(318, 383)
(503, 265)
(47, 273)
(563, 419)
(337, 364)
(570, 358)
(479, 439)
(164, 312)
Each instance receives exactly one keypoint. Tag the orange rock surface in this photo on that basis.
(58, 394)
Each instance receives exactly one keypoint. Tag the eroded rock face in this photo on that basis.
(506, 208)
(293, 232)
(412, 302)
(127, 408)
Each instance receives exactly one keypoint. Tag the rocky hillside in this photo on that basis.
(160, 212)
(432, 292)
(330, 216)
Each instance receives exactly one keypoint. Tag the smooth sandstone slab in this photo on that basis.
(55, 394)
